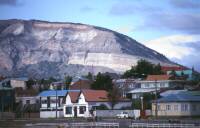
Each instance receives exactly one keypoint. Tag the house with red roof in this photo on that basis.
(156, 81)
(82, 104)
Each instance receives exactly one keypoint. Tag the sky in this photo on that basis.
(171, 27)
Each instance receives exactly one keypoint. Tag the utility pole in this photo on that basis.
(156, 103)
(56, 103)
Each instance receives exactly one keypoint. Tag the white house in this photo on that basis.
(18, 82)
(26, 96)
(51, 103)
(125, 85)
(82, 104)
(158, 81)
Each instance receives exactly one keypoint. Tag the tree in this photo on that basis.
(142, 69)
(68, 80)
(102, 82)
(173, 75)
(30, 83)
(114, 96)
(157, 70)
(130, 73)
(89, 76)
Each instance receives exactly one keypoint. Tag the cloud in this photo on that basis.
(176, 46)
(186, 4)
(129, 8)
(86, 9)
(187, 23)
(183, 49)
(8, 2)
(125, 29)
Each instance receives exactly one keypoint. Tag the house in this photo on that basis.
(18, 82)
(181, 73)
(26, 102)
(51, 103)
(159, 81)
(183, 103)
(81, 104)
(138, 92)
(81, 84)
(26, 96)
(7, 98)
(57, 85)
(125, 85)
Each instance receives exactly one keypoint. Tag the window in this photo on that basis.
(176, 107)
(68, 110)
(48, 102)
(184, 107)
(147, 85)
(27, 101)
(60, 99)
(82, 109)
(194, 107)
(158, 107)
(44, 101)
(168, 107)
(162, 85)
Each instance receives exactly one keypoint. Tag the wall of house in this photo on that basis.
(153, 84)
(177, 109)
(76, 107)
(18, 83)
(185, 72)
(44, 102)
(51, 114)
(25, 100)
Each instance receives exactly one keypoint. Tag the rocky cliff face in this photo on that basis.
(43, 49)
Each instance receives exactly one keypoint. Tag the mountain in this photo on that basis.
(42, 49)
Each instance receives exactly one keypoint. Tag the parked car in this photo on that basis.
(123, 115)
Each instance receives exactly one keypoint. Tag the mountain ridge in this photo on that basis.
(27, 46)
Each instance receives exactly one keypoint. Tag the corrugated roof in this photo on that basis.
(170, 92)
(95, 95)
(189, 96)
(74, 96)
(53, 92)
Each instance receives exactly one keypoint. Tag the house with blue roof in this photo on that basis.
(51, 103)
(183, 103)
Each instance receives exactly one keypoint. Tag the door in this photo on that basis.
(75, 111)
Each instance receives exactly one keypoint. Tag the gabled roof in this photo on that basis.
(157, 77)
(95, 95)
(91, 96)
(53, 92)
(74, 96)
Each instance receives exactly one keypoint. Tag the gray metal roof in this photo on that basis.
(188, 96)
